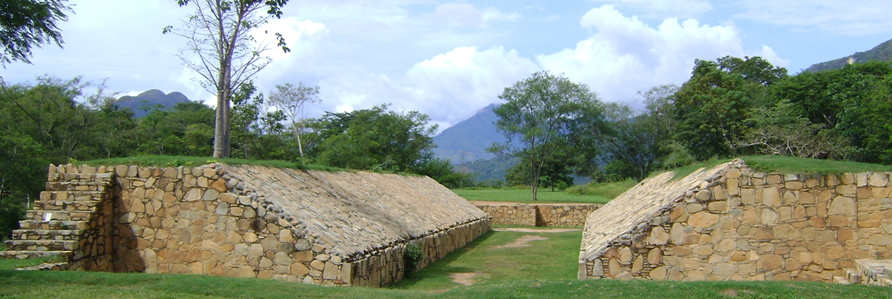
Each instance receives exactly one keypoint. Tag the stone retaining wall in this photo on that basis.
(538, 214)
(203, 220)
(740, 225)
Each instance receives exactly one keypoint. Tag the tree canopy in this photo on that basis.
(547, 115)
(25, 24)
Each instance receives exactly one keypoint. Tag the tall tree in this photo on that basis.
(546, 115)
(219, 33)
(636, 142)
(712, 106)
(290, 99)
(373, 139)
(25, 24)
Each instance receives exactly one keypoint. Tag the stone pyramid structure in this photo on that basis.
(732, 223)
(329, 228)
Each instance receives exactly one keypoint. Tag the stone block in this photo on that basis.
(768, 217)
(703, 220)
(771, 197)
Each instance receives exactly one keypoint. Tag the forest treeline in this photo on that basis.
(731, 106)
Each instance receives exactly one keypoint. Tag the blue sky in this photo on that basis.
(448, 59)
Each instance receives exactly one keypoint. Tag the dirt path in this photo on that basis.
(464, 279)
(521, 242)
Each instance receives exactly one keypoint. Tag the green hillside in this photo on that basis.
(882, 52)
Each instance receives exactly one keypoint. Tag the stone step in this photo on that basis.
(47, 215)
(46, 234)
(874, 272)
(840, 280)
(47, 267)
(42, 245)
(26, 254)
(852, 276)
(71, 195)
(77, 186)
(53, 224)
(66, 205)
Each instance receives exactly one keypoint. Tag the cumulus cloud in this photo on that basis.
(851, 18)
(624, 55)
(654, 9)
(448, 87)
(461, 81)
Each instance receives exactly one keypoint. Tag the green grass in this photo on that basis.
(781, 164)
(608, 190)
(174, 161)
(525, 196)
(547, 269)
(551, 259)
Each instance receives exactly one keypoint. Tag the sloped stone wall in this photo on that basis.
(538, 214)
(209, 220)
(735, 224)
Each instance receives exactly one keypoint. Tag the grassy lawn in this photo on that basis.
(524, 196)
(551, 259)
(547, 269)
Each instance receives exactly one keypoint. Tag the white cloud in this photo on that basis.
(625, 55)
(653, 9)
(768, 54)
(448, 87)
(459, 82)
(853, 18)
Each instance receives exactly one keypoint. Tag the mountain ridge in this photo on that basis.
(143, 103)
(882, 52)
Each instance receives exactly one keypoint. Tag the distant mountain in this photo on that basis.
(882, 52)
(143, 103)
(467, 141)
(490, 170)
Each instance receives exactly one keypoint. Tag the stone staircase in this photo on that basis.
(57, 225)
(868, 272)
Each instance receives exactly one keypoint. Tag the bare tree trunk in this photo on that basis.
(300, 148)
(219, 129)
(534, 183)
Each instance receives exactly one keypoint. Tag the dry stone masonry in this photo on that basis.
(329, 228)
(538, 214)
(731, 223)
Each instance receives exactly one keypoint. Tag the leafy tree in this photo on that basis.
(258, 133)
(636, 143)
(555, 174)
(442, 171)
(290, 99)
(25, 24)
(712, 106)
(547, 115)
(218, 33)
(372, 139)
(184, 130)
(852, 102)
(779, 130)
(40, 124)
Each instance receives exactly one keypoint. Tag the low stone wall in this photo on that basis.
(387, 265)
(203, 220)
(538, 214)
(740, 225)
